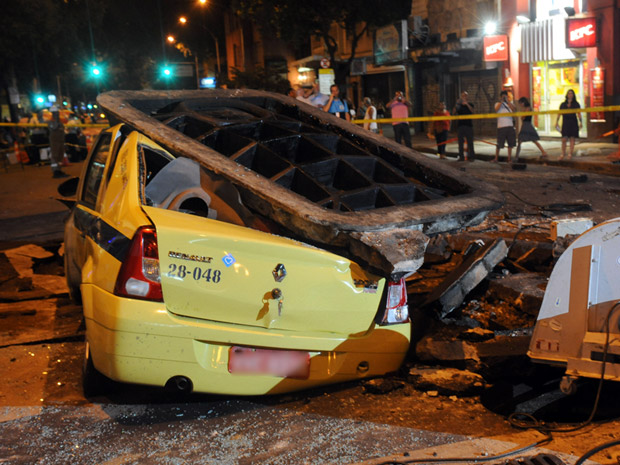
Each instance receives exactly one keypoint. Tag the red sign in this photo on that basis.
(581, 32)
(597, 93)
(495, 48)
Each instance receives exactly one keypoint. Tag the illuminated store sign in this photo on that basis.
(495, 48)
(580, 32)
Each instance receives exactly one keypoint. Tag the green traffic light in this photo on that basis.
(167, 72)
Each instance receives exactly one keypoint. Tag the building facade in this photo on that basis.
(539, 50)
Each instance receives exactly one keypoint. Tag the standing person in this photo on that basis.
(505, 126)
(335, 105)
(441, 129)
(38, 139)
(316, 97)
(304, 95)
(465, 130)
(571, 123)
(57, 143)
(399, 107)
(371, 113)
(528, 132)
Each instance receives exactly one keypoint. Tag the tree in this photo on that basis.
(259, 78)
(296, 20)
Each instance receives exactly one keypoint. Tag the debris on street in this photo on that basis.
(446, 381)
(478, 261)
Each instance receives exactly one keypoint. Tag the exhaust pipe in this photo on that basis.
(180, 384)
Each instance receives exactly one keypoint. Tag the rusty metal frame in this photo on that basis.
(361, 232)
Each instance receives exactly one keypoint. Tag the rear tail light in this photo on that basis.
(138, 277)
(396, 310)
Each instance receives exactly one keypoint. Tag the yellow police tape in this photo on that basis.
(489, 115)
(45, 125)
(392, 120)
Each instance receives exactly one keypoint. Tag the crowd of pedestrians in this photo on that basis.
(511, 132)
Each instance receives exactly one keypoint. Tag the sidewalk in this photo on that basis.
(589, 155)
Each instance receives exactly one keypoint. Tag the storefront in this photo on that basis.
(555, 68)
(551, 80)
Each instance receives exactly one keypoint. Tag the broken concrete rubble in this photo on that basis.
(476, 265)
(524, 290)
(31, 272)
(400, 252)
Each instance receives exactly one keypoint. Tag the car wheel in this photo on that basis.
(93, 382)
(73, 277)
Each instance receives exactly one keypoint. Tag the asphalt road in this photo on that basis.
(45, 419)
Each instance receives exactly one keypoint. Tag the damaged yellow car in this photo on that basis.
(183, 286)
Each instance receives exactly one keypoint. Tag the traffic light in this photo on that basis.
(95, 71)
(167, 72)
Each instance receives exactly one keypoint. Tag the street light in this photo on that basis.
(183, 21)
(490, 28)
(185, 51)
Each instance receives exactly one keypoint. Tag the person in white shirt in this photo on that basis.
(371, 113)
(505, 126)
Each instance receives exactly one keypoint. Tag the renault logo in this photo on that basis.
(279, 273)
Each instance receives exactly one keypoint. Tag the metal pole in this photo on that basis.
(217, 54)
(197, 77)
(59, 97)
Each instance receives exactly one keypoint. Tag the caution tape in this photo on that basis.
(43, 125)
(24, 146)
(489, 115)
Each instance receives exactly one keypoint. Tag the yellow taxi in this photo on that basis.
(183, 286)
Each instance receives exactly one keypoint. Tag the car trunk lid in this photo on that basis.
(212, 270)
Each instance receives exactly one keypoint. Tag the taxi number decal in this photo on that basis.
(181, 271)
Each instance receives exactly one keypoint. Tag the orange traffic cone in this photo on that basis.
(20, 155)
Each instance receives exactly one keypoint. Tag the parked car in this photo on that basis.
(239, 244)
(191, 290)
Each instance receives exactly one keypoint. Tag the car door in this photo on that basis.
(90, 235)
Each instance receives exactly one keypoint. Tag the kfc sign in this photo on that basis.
(580, 32)
(495, 48)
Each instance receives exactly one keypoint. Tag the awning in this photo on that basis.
(311, 61)
(544, 40)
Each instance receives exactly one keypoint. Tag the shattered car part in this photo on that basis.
(327, 181)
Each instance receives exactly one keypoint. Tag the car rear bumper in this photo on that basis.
(140, 342)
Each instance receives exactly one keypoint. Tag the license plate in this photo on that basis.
(282, 363)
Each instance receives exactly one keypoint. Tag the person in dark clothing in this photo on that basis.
(571, 123)
(465, 129)
(38, 139)
(528, 132)
(441, 129)
(57, 144)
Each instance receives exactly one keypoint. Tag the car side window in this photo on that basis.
(94, 172)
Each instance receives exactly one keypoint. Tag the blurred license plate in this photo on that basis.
(283, 363)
